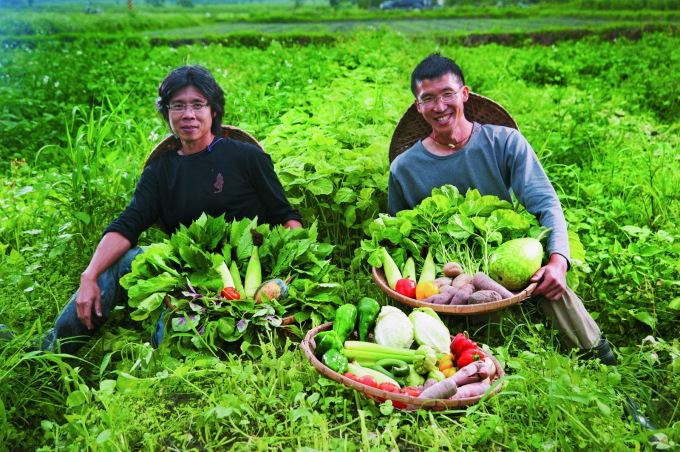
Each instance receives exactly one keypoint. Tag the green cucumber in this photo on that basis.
(397, 367)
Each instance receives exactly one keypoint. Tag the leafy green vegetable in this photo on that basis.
(188, 270)
(451, 226)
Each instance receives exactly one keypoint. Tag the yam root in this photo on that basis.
(442, 282)
(461, 280)
(482, 281)
(462, 295)
(452, 269)
(484, 296)
(470, 390)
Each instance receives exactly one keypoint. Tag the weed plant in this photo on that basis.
(80, 123)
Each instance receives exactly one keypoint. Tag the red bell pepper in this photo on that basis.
(351, 376)
(469, 356)
(391, 387)
(406, 287)
(461, 343)
(231, 294)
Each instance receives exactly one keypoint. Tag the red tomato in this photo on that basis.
(369, 381)
(413, 392)
(391, 387)
(406, 287)
(351, 376)
(230, 293)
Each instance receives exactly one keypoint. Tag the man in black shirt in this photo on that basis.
(208, 174)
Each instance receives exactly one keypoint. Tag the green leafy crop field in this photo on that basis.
(78, 121)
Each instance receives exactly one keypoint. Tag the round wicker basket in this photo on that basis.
(412, 403)
(413, 127)
(472, 309)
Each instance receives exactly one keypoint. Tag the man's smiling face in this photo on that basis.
(440, 101)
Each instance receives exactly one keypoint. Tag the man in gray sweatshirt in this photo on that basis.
(496, 161)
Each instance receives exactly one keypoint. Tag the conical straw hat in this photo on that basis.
(172, 143)
(413, 127)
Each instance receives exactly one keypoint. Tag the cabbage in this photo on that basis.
(430, 330)
(393, 328)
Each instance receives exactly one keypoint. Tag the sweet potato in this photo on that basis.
(452, 269)
(440, 298)
(472, 373)
(449, 289)
(471, 390)
(482, 281)
(484, 296)
(461, 280)
(462, 295)
(429, 382)
(443, 281)
(442, 390)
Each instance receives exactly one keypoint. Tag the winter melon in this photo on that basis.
(514, 262)
(273, 288)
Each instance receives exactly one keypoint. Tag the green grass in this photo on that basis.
(80, 113)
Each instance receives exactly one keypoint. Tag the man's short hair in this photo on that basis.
(201, 79)
(433, 67)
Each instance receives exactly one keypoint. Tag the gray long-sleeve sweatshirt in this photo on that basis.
(496, 160)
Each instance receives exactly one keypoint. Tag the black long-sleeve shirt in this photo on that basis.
(229, 177)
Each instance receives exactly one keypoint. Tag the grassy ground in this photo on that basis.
(79, 122)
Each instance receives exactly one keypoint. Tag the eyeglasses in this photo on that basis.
(446, 97)
(196, 106)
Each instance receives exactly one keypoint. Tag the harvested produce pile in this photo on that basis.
(440, 368)
(198, 273)
(463, 236)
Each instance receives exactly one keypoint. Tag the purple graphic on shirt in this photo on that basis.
(219, 183)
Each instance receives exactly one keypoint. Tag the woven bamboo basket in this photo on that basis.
(472, 309)
(412, 403)
(172, 143)
(413, 127)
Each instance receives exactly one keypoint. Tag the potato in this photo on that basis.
(443, 281)
(463, 294)
(461, 280)
(452, 269)
(484, 296)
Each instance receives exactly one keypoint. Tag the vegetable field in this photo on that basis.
(79, 121)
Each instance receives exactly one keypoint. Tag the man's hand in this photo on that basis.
(292, 224)
(552, 277)
(88, 294)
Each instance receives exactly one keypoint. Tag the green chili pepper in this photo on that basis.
(335, 360)
(327, 340)
(345, 318)
(368, 312)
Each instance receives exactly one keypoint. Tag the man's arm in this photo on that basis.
(111, 247)
(535, 192)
